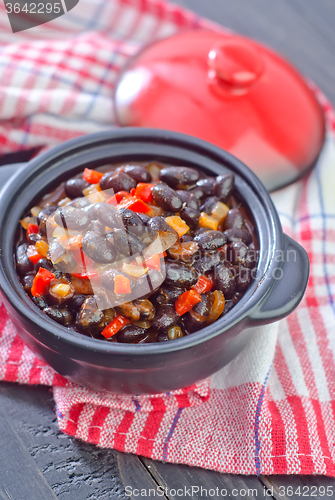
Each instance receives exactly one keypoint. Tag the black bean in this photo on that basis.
(136, 172)
(125, 243)
(150, 337)
(190, 216)
(179, 274)
(45, 227)
(46, 212)
(189, 198)
(46, 264)
(148, 284)
(27, 282)
(186, 237)
(118, 181)
(210, 240)
(74, 187)
(234, 220)
(144, 218)
(201, 230)
(168, 295)
(224, 280)
(158, 224)
(206, 263)
(89, 315)
(229, 304)
(236, 252)
(24, 265)
(178, 177)
(209, 204)
(107, 278)
(132, 222)
(98, 248)
(107, 215)
(89, 208)
(63, 316)
(162, 336)
(96, 227)
(207, 185)
(72, 218)
(155, 279)
(77, 301)
(251, 258)
(199, 313)
(198, 192)
(165, 317)
(40, 302)
(243, 279)
(145, 308)
(237, 297)
(34, 237)
(224, 187)
(166, 198)
(131, 334)
(238, 235)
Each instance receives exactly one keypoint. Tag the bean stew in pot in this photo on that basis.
(138, 253)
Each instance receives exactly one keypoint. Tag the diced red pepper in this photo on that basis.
(121, 285)
(32, 229)
(82, 260)
(41, 282)
(33, 255)
(136, 205)
(114, 326)
(118, 197)
(153, 262)
(133, 191)
(143, 192)
(186, 301)
(92, 176)
(204, 284)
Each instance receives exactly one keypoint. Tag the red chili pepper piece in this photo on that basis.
(143, 192)
(136, 205)
(153, 262)
(33, 254)
(186, 301)
(133, 191)
(121, 285)
(119, 197)
(204, 284)
(114, 326)
(92, 176)
(32, 229)
(82, 260)
(41, 282)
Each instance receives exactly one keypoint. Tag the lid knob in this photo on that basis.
(236, 62)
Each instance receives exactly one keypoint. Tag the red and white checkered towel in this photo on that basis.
(272, 409)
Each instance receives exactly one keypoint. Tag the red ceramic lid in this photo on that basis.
(230, 91)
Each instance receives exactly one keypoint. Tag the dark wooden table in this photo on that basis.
(37, 462)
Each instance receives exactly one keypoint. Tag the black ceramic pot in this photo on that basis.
(282, 272)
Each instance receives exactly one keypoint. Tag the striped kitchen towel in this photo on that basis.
(272, 409)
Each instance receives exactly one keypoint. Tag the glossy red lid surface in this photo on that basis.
(230, 91)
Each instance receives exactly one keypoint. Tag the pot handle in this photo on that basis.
(290, 285)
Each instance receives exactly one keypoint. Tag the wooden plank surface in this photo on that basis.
(72, 469)
(39, 462)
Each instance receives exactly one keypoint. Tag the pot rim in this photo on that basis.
(72, 150)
